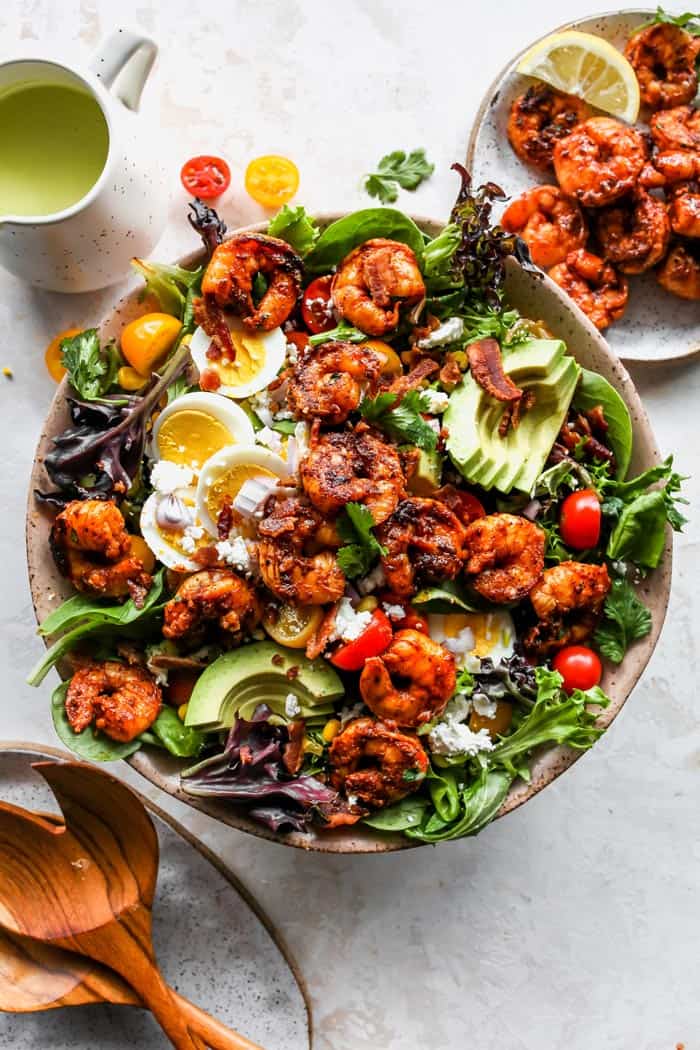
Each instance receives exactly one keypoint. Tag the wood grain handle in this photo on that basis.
(215, 1034)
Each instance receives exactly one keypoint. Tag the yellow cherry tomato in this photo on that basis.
(147, 340)
(500, 723)
(52, 357)
(293, 625)
(129, 379)
(138, 548)
(391, 362)
(272, 181)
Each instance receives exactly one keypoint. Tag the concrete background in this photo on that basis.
(573, 923)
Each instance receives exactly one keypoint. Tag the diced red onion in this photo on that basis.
(172, 515)
(252, 494)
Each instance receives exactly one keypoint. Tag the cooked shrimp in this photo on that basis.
(289, 564)
(600, 161)
(549, 223)
(353, 467)
(370, 761)
(505, 556)
(122, 700)
(674, 166)
(680, 272)
(539, 118)
(212, 595)
(424, 541)
(663, 56)
(411, 681)
(684, 208)
(634, 234)
(567, 602)
(92, 548)
(228, 284)
(674, 129)
(327, 382)
(594, 285)
(373, 281)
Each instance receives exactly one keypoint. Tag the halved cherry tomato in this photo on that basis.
(180, 686)
(467, 507)
(411, 619)
(299, 339)
(54, 355)
(579, 520)
(374, 640)
(272, 181)
(579, 666)
(317, 306)
(293, 625)
(391, 362)
(205, 177)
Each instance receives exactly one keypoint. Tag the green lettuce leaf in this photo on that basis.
(639, 534)
(173, 286)
(296, 227)
(480, 802)
(177, 738)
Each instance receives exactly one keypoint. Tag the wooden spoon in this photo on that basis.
(89, 886)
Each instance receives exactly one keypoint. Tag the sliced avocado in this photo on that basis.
(258, 674)
(428, 473)
(472, 418)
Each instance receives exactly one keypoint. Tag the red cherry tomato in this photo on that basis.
(205, 177)
(579, 666)
(470, 508)
(374, 640)
(411, 619)
(579, 520)
(299, 339)
(317, 307)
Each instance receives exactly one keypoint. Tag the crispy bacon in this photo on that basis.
(486, 367)
(293, 752)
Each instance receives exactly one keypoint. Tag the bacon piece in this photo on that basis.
(293, 752)
(487, 368)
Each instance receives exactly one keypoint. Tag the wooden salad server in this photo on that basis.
(88, 887)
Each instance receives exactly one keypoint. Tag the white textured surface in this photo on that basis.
(573, 923)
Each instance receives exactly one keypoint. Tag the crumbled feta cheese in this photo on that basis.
(166, 477)
(448, 332)
(188, 544)
(292, 353)
(302, 434)
(462, 643)
(353, 800)
(292, 707)
(372, 581)
(348, 713)
(452, 736)
(394, 612)
(270, 439)
(284, 413)
(234, 552)
(458, 709)
(484, 706)
(195, 531)
(349, 624)
(262, 407)
(435, 401)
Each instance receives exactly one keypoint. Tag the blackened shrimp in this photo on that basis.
(567, 602)
(353, 467)
(594, 285)
(293, 562)
(375, 763)
(684, 207)
(539, 118)
(373, 282)
(412, 680)
(505, 556)
(634, 234)
(122, 701)
(550, 224)
(600, 161)
(328, 380)
(424, 542)
(680, 272)
(663, 57)
(212, 596)
(676, 129)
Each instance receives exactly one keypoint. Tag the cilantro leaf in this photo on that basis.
(91, 369)
(398, 169)
(296, 227)
(625, 619)
(347, 333)
(402, 420)
(361, 547)
(690, 21)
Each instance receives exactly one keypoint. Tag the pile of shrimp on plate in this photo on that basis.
(281, 571)
(626, 200)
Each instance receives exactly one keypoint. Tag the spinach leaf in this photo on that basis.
(627, 491)
(445, 599)
(173, 286)
(90, 744)
(408, 813)
(296, 227)
(594, 390)
(361, 548)
(402, 421)
(444, 792)
(480, 803)
(180, 740)
(398, 169)
(640, 532)
(625, 619)
(91, 368)
(338, 239)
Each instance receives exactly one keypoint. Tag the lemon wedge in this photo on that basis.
(586, 66)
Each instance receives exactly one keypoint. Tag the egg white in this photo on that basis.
(274, 344)
(157, 539)
(223, 461)
(474, 636)
(220, 408)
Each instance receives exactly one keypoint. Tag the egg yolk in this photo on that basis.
(227, 486)
(190, 437)
(249, 360)
(486, 633)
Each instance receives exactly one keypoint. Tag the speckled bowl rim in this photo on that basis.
(162, 770)
(487, 101)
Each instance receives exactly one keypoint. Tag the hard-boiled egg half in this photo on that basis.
(194, 427)
(470, 635)
(258, 358)
(170, 527)
(224, 474)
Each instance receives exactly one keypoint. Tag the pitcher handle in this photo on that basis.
(131, 54)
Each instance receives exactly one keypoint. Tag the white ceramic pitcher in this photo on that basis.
(89, 244)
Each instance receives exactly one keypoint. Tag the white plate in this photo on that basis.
(656, 326)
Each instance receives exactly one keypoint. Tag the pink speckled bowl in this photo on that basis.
(535, 298)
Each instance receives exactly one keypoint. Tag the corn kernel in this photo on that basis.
(331, 730)
(368, 604)
(182, 711)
